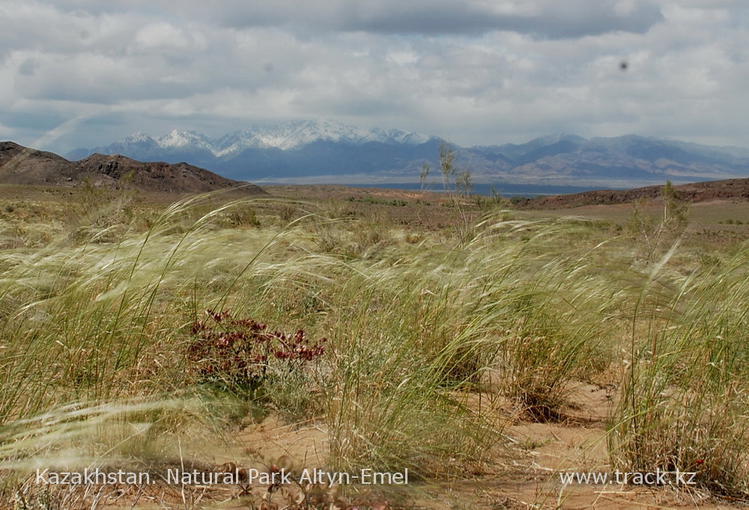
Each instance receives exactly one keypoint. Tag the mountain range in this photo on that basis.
(323, 151)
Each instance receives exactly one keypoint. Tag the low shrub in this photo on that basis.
(237, 353)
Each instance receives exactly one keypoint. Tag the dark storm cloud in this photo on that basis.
(542, 18)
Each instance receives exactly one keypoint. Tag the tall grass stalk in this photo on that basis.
(685, 401)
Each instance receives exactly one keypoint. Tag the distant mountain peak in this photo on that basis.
(137, 137)
(183, 138)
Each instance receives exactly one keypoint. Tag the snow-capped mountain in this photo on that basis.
(326, 151)
(292, 135)
(178, 138)
(283, 136)
(138, 137)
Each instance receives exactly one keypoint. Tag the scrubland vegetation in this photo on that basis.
(144, 336)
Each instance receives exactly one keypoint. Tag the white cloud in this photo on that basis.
(161, 36)
(481, 71)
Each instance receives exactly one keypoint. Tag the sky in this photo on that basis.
(81, 73)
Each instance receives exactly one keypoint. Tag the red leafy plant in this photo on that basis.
(239, 351)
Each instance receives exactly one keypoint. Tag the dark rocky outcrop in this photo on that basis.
(23, 165)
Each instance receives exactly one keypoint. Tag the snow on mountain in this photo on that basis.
(284, 136)
(138, 137)
(178, 138)
(292, 135)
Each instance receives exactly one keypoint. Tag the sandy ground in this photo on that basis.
(526, 476)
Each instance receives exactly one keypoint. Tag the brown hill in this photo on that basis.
(23, 165)
(730, 189)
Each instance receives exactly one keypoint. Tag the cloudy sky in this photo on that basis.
(83, 72)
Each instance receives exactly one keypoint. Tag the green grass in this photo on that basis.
(95, 330)
(685, 395)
